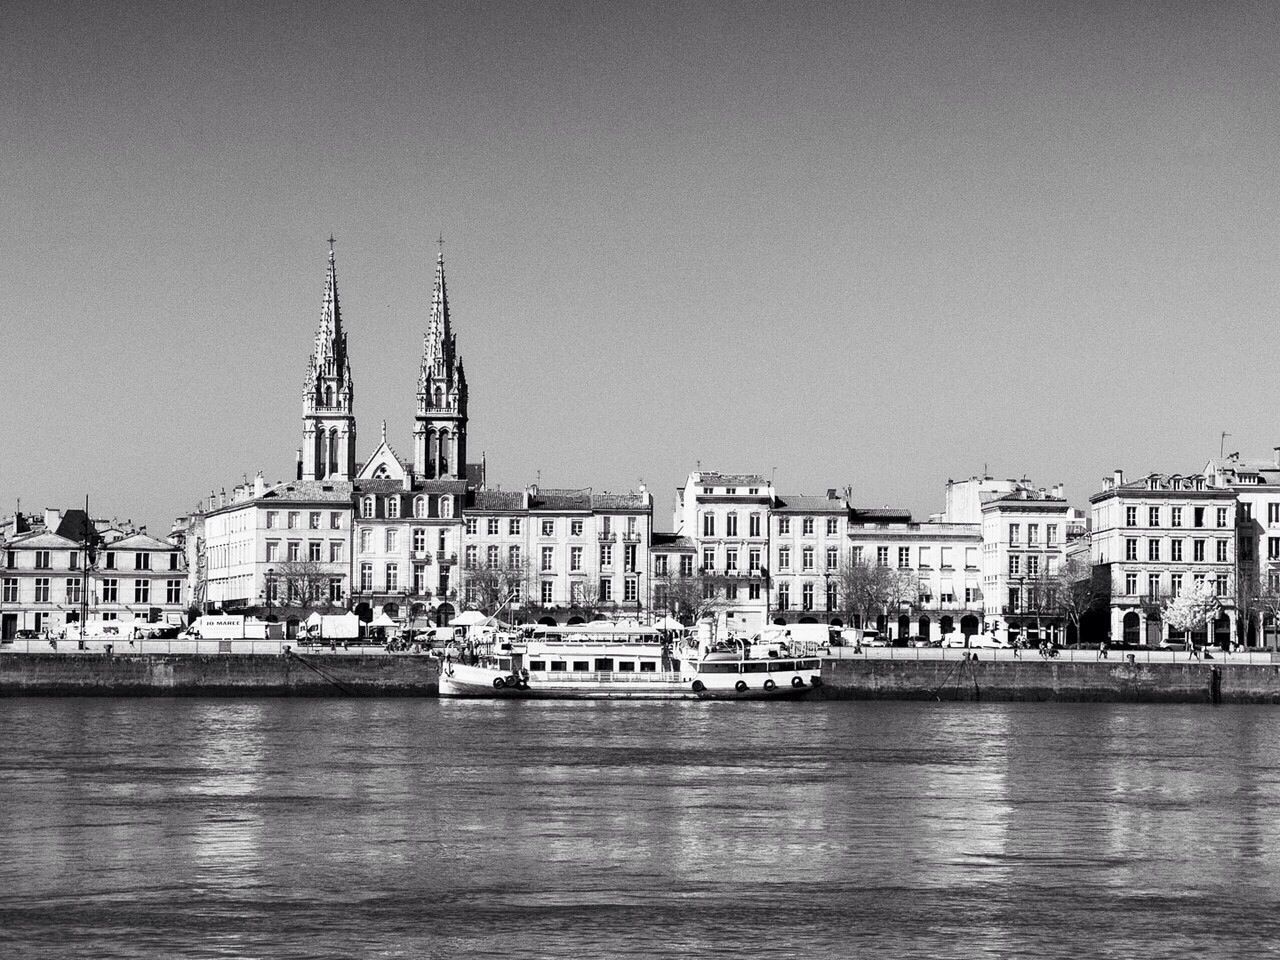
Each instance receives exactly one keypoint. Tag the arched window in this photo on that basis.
(442, 455)
(420, 506)
(439, 400)
(393, 507)
(328, 395)
(446, 506)
(333, 449)
(366, 507)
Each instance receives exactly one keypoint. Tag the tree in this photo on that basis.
(1076, 592)
(490, 587)
(1262, 595)
(690, 598)
(866, 590)
(302, 583)
(1196, 606)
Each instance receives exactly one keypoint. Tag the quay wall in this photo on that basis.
(1037, 680)
(316, 675)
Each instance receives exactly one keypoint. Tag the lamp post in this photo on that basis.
(268, 589)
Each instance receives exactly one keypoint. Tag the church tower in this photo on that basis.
(328, 426)
(440, 427)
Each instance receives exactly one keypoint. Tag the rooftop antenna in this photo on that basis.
(1222, 443)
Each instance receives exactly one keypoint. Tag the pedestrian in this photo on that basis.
(1102, 650)
(1192, 653)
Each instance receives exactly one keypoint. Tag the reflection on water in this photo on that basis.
(156, 828)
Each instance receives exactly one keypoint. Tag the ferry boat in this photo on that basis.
(607, 661)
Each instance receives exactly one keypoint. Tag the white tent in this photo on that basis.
(668, 623)
(382, 620)
(469, 618)
(344, 626)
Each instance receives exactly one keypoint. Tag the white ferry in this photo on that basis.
(604, 660)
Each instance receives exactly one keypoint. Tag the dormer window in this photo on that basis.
(393, 507)
(420, 507)
(366, 507)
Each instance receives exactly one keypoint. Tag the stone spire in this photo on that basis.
(328, 426)
(440, 431)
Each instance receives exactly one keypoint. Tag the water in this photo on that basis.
(407, 828)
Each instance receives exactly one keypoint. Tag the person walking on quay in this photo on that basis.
(1102, 650)
(1192, 652)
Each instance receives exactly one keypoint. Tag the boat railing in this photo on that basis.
(605, 676)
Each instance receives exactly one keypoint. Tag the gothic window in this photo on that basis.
(328, 395)
(439, 401)
(333, 450)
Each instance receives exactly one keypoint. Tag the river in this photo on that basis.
(423, 828)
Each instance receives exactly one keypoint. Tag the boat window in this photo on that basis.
(504, 663)
(557, 665)
(537, 664)
(759, 667)
(582, 666)
(648, 666)
(604, 665)
(724, 666)
(811, 665)
(782, 666)
(627, 666)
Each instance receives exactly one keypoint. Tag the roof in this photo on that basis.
(619, 501)
(141, 541)
(387, 486)
(672, 542)
(800, 503)
(882, 514)
(561, 499)
(498, 500)
(309, 491)
(1267, 471)
(729, 479)
(41, 540)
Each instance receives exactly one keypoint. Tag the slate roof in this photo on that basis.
(42, 540)
(799, 503)
(673, 543)
(141, 541)
(498, 500)
(309, 491)
(709, 478)
(882, 514)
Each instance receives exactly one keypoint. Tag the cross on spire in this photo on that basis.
(331, 243)
(440, 244)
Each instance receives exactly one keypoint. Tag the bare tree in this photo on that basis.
(1264, 600)
(690, 598)
(490, 587)
(1075, 592)
(302, 583)
(867, 590)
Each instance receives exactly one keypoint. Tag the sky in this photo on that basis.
(876, 245)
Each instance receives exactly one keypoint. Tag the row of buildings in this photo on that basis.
(417, 539)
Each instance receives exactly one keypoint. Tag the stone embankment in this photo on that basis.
(309, 674)
(1065, 681)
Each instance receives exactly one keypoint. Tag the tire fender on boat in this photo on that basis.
(816, 681)
(522, 684)
(698, 686)
(740, 686)
(499, 683)
(797, 682)
(769, 684)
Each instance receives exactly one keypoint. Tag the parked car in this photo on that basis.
(977, 641)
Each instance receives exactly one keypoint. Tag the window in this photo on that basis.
(472, 526)
(1130, 516)
(513, 527)
(904, 558)
(833, 525)
(491, 526)
(1197, 550)
(606, 590)
(393, 541)
(946, 558)
(708, 559)
(335, 551)
(806, 596)
(335, 589)
(491, 558)
(295, 551)
(1153, 549)
(833, 557)
(110, 591)
(1175, 583)
(575, 558)
(784, 558)
(272, 519)
(173, 592)
(1175, 516)
(1175, 551)
(731, 525)
(366, 540)
(1153, 585)
(1198, 516)
(1153, 516)
(1015, 533)
(631, 526)
(42, 589)
(392, 577)
(366, 577)
(420, 507)
(784, 524)
(606, 554)
(784, 596)
(470, 557)
(315, 551)
(807, 526)
(972, 595)
(173, 561)
(1222, 516)
(730, 560)
(110, 562)
(1131, 584)
(548, 555)
(294, 517)
(882, 556)
(1131, 548)
(1220, 585)
(708, 524)
(575, 528)
(831, 595)
(418, 540)
(393, 507)
(1273, 513)
(806, 558)
(547, 594)
(335, 521)
(548, 528)
(753, 525)
(753, 591)
(10, 594)
(1033, 534)
(629, 558)
(73, 590)
(1033, 566)
(606, 525)
(660, 565)
(630, 591)
(753, 560)
(686, 565)
(313, 520)
(142, 591)
(1050, 534)
(1273, 548)
(855, 554)
(142, 561)
(366, 507)
(1015, 565)
(1222, 551)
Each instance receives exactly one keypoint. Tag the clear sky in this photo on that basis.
(878, 245)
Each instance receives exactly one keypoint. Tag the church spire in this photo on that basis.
(327, 394)
(440, 435)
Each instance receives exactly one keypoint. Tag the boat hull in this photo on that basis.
(458, 680)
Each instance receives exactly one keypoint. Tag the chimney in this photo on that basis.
(299, 473)
(259, 485)
(831, 493)
(1057, 490)
(1118, 478)
(52, 518)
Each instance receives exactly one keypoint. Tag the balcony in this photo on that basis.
(631, 538)
(443, 556)
(607, 537)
